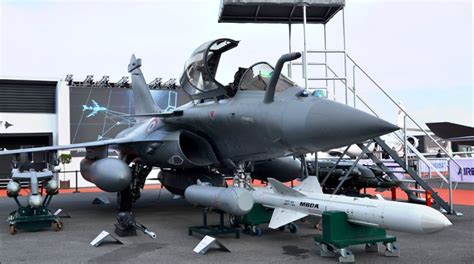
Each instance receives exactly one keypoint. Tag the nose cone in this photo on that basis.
(332, 125)
(434, 221)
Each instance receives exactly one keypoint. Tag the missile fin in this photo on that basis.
(282, 217)
(310, 184)
(282, 189)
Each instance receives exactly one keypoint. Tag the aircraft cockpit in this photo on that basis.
(257, 77)
(199, 77)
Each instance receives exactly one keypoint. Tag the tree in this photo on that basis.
(65, 159)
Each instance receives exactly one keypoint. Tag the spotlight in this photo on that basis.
(155, 84)
(122, 82)
(103, 82)
(68, 79)
(89, 80)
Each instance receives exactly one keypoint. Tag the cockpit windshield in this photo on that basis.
(198, 78)
(258, 77)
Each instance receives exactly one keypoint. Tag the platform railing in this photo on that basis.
(344, 80)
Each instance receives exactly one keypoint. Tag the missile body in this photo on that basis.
(233, 200)
(293, 204)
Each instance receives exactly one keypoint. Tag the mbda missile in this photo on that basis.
(308, 199)
(232, 200)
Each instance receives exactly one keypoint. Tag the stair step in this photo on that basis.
(417, 190)
(406, 181)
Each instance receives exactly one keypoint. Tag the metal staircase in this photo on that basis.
(347, 81)
(413, 174)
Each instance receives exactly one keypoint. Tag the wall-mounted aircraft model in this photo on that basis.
(260, 117)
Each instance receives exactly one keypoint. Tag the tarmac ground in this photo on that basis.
(170, 219)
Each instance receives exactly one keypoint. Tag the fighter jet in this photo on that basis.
(94, 108)
(225, 130)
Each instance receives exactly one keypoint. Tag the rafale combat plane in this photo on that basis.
(261, 119)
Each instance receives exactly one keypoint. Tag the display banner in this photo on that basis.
(466, 174)
(441, 164)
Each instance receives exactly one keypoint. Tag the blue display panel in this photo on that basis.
(95, 112)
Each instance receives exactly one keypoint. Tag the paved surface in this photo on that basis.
(170, 218)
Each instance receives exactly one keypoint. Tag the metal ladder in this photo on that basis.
(413, 174)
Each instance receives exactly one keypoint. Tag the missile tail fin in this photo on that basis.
(282, 189)
(310, 184)
(282, 217)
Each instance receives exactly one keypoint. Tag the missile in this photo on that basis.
(13, 188)
(232, 200)
(307, 199)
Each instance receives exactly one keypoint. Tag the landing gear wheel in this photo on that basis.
(124, 200)
(293, 228)
(256, 231)
(57, 226)
(281, 228)
(12, 230)
(234, 220)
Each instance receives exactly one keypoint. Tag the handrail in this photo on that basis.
(417, 153)
(401, 108)
(352, 91)
(326, 51)
(344, 82)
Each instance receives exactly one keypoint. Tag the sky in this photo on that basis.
(420, 52)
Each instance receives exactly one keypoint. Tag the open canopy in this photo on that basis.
(198, 78)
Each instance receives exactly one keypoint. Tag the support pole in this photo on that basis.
(326, 60)
(451, 208)
(290, 69)
(345, 54)
(305, 62)
(316, 163)
(405, 139)
(77, 184)
(354, 84)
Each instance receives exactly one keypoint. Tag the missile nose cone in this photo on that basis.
(434, 221)
(333, 124)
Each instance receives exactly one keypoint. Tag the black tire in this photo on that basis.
(256, 231)
(12, 230)
(124, 200)
(293, 227)
(234, 220)
(57, 226)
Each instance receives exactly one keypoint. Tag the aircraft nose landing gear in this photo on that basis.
(127, 226)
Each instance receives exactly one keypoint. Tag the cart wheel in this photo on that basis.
(246, 229)
(234, 221)
(12, 230)
(293, 228)
(281, 228)
(57, 226)
(256, 231)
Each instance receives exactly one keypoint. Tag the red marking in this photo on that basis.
(212, 114)
(428, 198)
(152, 126)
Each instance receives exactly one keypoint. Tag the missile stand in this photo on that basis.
(258, 215)
(339, 234)
(36, 214)
(213, 230)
